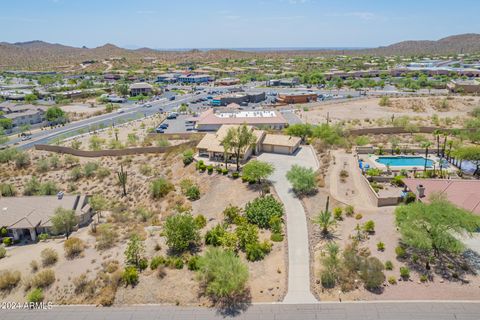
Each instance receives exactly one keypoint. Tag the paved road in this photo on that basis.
(329, 311)
(105, 120)
(298, 250)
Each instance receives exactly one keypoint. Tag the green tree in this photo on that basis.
(435, 226)
(63, 221)
(55, 115)
(161, 187)
(222, 273)
(30, 98)
(371, 272)
(134, 251)
(303, 180)
(262, 209)
(240, 139)
(470, 153)
(302, 130)
(181, 232)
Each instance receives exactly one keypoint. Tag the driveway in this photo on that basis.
(298, 249)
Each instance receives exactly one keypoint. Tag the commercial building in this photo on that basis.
(210, 146)
(168, 77)
(291, 82)
(20, 115)
(464, 86)
(238, 98)
(26, 217)
(292, 98)
(140, 88)
(194, 78)
(212, 121)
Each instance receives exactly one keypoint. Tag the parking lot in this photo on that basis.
(177, 125)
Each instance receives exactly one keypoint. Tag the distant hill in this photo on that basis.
(39, 54)
(463, 43)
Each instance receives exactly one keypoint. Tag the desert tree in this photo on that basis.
(63, 221)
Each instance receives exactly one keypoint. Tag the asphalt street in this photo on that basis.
(346, 311)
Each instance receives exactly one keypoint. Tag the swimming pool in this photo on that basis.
(403, 161)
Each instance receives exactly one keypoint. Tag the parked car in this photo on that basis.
(159, 130)
(171, 98)
(172, 115)
(163, 126)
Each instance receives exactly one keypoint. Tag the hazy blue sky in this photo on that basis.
(235, 24)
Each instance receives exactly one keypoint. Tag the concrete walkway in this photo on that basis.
(297, 232)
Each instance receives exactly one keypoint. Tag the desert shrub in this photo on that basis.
(232, 214)
(175, 262)
(42, 165)
(193, 193)
(327, 279)
(337, 213)
(156, 262)
(34, 266)
(160, 188)
(43, 236)
(7, 190)
(257, 251)
(404, 272)
(22, 160)
(42, 279)
(35, 296)
(349, 211)
(371, 272)
(7, 241)
(303, 180)
(146, 170)
(358, 216)
(213, 236)
(262, 209)
(235, 175)
(276, 237)
(247, 234)
(215, 272)
(343, 174)
(392, 280)
(423, 278)
(49, 257)
(130, 276)
(106, 236)
(369, 226)
(76, 174)
(210, 169)
(193, 264)
(384, 101)
(373, 172)
(388, 265)
(90, 168)
(200, 221)
(102, 173)
(143, 214)
(398, 181)
(400, 252)
(73, 247)
(142, 264)
(275, 224)
(32, 187)
(410, 198)
(9, 279)
(362, 140)
(48, 188)
(181, 232)
(188, 157)
(3, 252)
(381, 246)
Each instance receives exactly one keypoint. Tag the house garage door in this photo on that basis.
(281, 149)
(267, 148)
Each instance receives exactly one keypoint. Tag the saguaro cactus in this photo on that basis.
(122, 178)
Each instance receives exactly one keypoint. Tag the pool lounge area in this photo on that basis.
(403, 162)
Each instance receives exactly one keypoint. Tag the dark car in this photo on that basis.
(163, 126)
(159, 130)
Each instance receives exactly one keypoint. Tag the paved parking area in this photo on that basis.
(177, 125)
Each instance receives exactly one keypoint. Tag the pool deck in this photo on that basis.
(371, 160)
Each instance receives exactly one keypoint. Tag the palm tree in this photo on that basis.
(240, 139)
(325, 219)
(436, 133)
(227, 144)
(426, 145)
(445, 135)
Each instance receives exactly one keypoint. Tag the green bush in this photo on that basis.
(193, 193)
(48, 188)
(358, 216)
(42, 165)
(337, 213)
(3, 252)
(276, 237)
(400, 252)
(404, 272)
(142, 264)
(257, 251)
(7, 241)
(410, 197)
(188, 157)
(398, 181)
(175, 262)
(22, 160)
(7, 190)
(392, 280)
(232, 214)
(73, 247)
(130, 276)
(102, 173)
(76, 174)
(388, 265)
(247, 234)
(200, 221)
(275, 224)
(181, 232)
(156, 262)
(349, 211)
(224, 171)
(235, 175)
(423, 278)
(193, 263)
(90, 168)
(161, 187)
(369, 226)
(303, 180)
(210, 169)
(213, 236)
(381, 246)
(43, 236)
(327, 279)
(262, 209)
(35, 296)
(371, 272)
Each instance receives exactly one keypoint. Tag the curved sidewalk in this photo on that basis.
(297, 232)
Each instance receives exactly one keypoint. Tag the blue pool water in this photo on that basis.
(405, 161)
